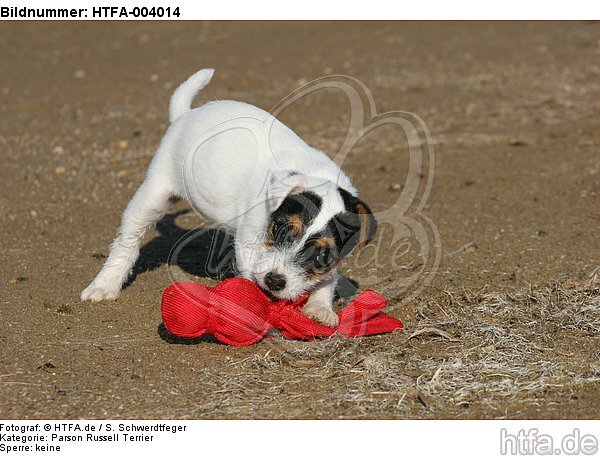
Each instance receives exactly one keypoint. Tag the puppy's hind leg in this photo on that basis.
(148, 205)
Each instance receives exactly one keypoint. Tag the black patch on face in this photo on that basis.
(345, 229)
(355, 227)
(290, 219)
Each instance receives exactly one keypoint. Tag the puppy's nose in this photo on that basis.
(274, 281)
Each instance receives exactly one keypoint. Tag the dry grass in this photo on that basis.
(471, 355)
(513, 345)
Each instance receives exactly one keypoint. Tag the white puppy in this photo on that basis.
(293, 212)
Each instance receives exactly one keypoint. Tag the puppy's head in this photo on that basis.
(312, 225)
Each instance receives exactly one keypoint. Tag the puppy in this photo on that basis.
(293, 213)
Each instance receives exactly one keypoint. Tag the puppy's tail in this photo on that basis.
(181, 100)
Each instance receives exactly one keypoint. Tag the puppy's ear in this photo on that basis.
(366, 219)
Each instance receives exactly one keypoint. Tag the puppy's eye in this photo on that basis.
(323, 259)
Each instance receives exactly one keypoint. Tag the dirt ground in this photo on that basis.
(508, 328)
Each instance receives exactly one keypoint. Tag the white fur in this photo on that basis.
(231, 162)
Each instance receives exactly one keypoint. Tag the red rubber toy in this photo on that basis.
(238, 313)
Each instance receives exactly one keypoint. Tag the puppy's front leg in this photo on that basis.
(245, 253)
(249, 237)
(147, 206)
(319, 304)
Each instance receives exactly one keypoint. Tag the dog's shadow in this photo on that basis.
(201, 252)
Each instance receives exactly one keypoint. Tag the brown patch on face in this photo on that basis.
(296, 224)
(324, 242)
(313, 276)
(363, 215)
(293, 222)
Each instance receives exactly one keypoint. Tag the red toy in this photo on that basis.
(238, 313)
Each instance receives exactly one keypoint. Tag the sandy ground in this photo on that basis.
(513, 110)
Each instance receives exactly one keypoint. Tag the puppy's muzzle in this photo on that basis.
(274, 281)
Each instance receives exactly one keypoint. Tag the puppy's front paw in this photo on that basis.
(97, 292)
(321, 314)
